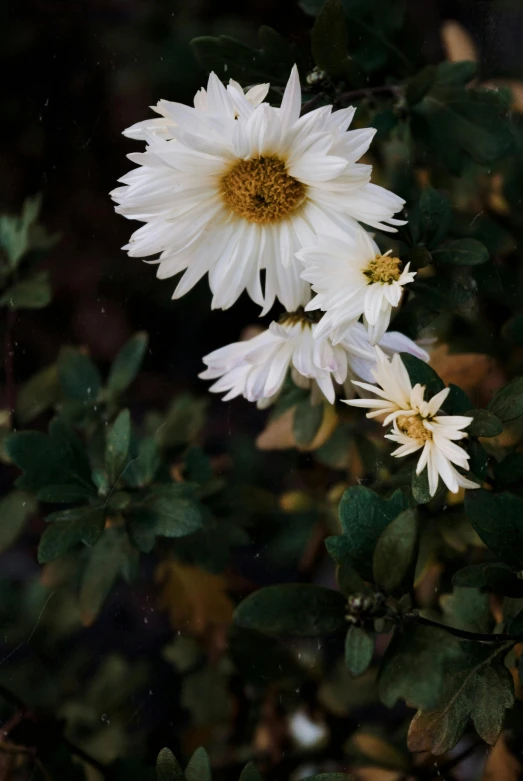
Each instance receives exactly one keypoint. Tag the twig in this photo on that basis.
(414, 618)
(10, 396)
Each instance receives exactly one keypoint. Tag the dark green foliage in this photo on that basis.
(363, 516)
(498, 519)
(359, 649)
(395, 552)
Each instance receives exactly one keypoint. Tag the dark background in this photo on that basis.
(75, 74)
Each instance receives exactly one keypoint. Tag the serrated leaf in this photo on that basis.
(476, 686)
(454, 122)
(507, 404)
(395, 552)
(498, 519)
(127, 363)
(68, 528)
(79, 378)
(57, 458)
(117, 446)
(33, 292)
(363, 517)
(461, 252)
(359, 649)
(294, 609)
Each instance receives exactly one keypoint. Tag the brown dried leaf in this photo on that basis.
(458, 42)
(468, 370)
(515, 87)
(501, 764)
(379, 750)
(195, 600)
(278, 433)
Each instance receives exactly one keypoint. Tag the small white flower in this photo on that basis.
(256, 368)
(234, 186)
(416, 423)
(352, 278)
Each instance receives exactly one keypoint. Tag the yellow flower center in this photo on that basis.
(260, 190)
(412, 426)
(383, 268)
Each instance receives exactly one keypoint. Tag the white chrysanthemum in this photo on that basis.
(352, 278)
(231, 188)
(256, 368)
(417, 425)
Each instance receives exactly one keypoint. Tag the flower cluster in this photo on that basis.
(266, 201)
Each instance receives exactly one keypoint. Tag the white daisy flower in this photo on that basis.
(229, 188)
(256, 368)
(352, 278)
(417, 424)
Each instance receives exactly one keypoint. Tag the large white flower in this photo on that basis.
(417, 424)
(351, 278)
(231, 188)
(256, 368)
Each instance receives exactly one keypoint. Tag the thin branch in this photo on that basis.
(10, 395)
(414, 618)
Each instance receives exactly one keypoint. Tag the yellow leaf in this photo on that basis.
(457, 42)
(278, 433)
(377, 749)
(468, 370)
(194, 599)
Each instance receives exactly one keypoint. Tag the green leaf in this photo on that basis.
(498, 519)
(262, 659)
(183, 421)
(363, 516)
(105, 563)
(143, 467)
(435, 216)
(58, 458)
(127, 364)
(15, 509)
(418, 85)
(467, 608)
(79, 378)
(457, 402)
(329, 40)
(68, 528)
(484, 423)
(476, 686)
(507, 404)
(64, 494)
(294, 609)
(395, 552)
(509, 470)
(15, 232)
(167, 768)
(166, 512)
(37, 394)
(250, 773)
(199, 766)
(413, 666)
(33, 292)
(359, 649)
(307, 421)
(453, 122)
(117, 446)
(421, 373)
(499, 578)
(461, 252)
